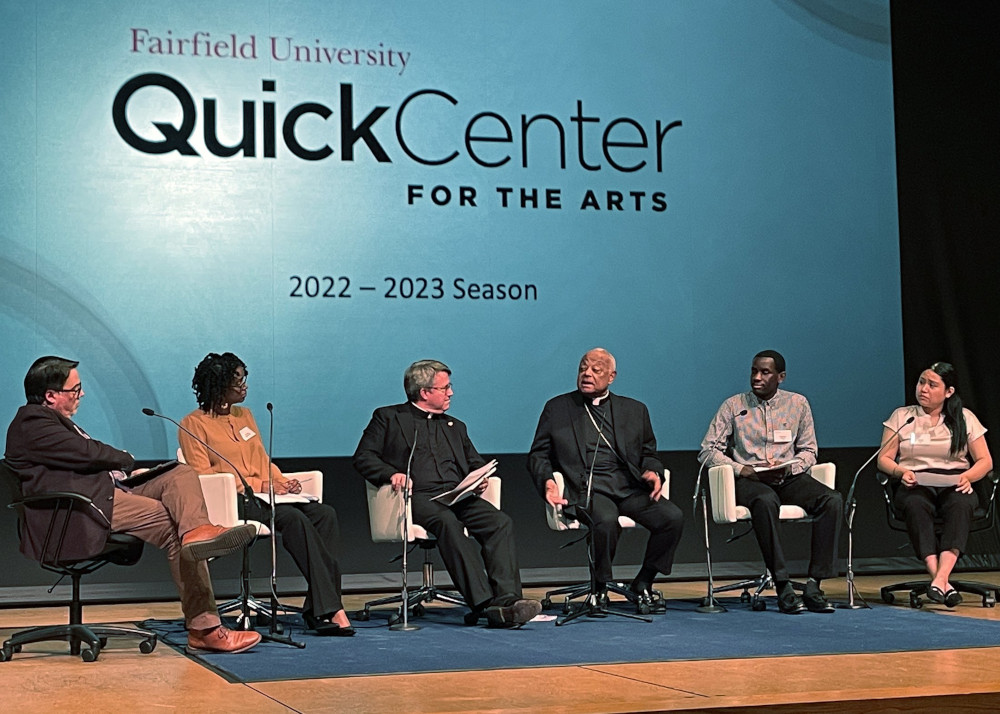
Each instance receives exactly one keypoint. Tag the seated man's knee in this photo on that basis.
(832, 503)
(765, 504)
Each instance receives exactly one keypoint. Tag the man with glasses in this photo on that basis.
(436, 450)
(51, 453)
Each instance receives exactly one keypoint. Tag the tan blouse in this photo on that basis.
(235, 436)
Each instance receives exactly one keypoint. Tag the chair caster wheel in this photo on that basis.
(546, 603)
(362, 616)
(418, 610)
(104, 642)
(758, 605)
(989, 601)
(5, 654)
(470, 619)
(90, 654)
(147, 646)
(395, 618)
(744, 597)
(887, 597)
(643, 608)
(915, 602)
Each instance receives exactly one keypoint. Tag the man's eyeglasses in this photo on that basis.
(77, 390)
(445, 388)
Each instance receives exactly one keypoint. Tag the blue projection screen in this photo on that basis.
(332, 190)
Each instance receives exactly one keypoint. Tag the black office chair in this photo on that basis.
(983, 518)
(121, 549)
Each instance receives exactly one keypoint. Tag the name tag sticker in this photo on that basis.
(782, 436)
(247, 433)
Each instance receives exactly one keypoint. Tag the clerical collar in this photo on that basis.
(424, 414)
(598, 401)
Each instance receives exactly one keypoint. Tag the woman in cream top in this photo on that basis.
(937, 436)
(309, 531)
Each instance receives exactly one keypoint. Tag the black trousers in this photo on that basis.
(483, 564)
(825, 505)
(661, 518)
(920, 504)
(310, 532)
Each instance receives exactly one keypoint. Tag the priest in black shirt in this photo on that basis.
(482, 564)
(604, 447)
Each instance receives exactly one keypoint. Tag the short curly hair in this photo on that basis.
(213, 376)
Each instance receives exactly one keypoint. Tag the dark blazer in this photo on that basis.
(564, 430)
(388, 439)
(49, 454)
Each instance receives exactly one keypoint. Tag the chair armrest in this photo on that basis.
(220, 495)
(492, 493)
(554, 514)
(385, 513)
(722, 487)
(52, 497)
(825, 473)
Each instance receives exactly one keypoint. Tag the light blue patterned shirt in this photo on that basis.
(749, 431)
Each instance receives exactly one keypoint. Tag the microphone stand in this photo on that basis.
(404, 624)
(274, 630)
(709, 604)
(852, 505)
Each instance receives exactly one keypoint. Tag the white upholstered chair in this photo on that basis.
(222, 501)
(386, 519)
(559, 521)
(722, 487)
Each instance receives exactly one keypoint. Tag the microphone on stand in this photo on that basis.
(275, 629)
(404, 625)
(247, 491)
(852, 505)
(710, 604)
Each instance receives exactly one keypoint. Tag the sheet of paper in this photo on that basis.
(924, 479)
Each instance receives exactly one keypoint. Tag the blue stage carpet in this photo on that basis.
(444, 644)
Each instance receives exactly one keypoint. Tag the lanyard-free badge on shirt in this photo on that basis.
(247, 433)
(782, 436)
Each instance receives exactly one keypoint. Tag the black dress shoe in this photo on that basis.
(513, 615)
(815, 599)
(789, 601)
(648, 596)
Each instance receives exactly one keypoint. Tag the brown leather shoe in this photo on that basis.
(221, 640)
(209, 541)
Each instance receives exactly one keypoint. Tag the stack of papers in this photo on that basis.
(468, 486)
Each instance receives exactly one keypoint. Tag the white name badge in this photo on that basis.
(247, 433)
(921, 438)
(782, 436)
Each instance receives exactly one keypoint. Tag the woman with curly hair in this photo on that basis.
(309, 531)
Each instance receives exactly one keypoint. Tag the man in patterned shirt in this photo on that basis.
(771, 428)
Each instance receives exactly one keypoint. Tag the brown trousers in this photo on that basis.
(160, 512)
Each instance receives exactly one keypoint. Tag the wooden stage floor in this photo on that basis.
(45, 679)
